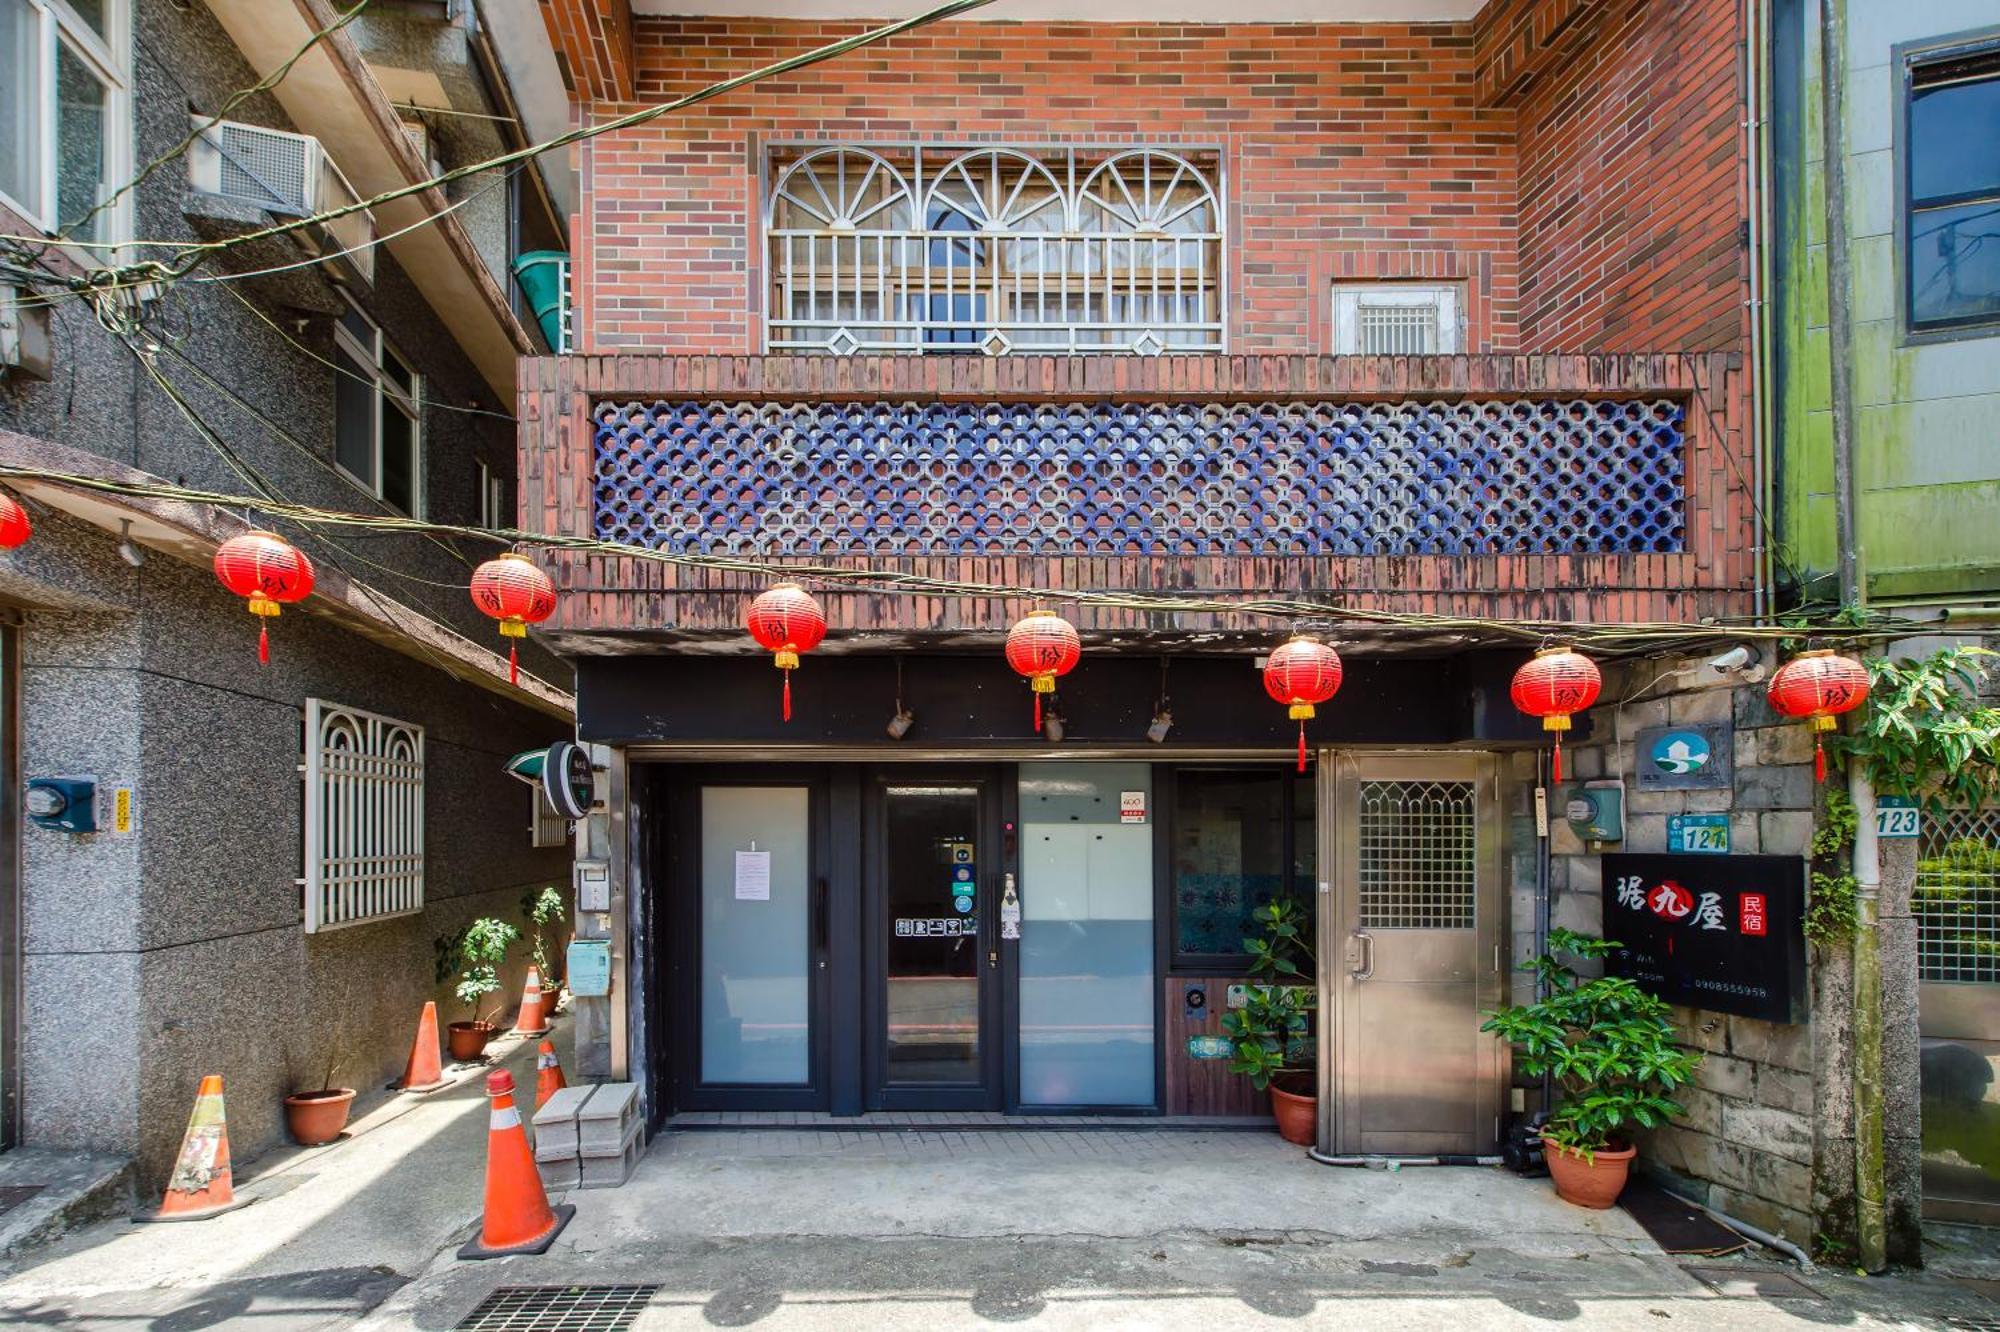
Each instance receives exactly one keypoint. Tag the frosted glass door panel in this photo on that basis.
(1086, 937)
(756, 964)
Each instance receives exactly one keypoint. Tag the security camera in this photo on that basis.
(1737, 661)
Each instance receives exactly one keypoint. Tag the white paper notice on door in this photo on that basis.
(753, 876)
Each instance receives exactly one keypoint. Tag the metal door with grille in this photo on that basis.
(1957, 908)
(1409, 954)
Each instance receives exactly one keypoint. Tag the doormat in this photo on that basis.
(13, 1195)
(1676, 1226)
(559, 1309)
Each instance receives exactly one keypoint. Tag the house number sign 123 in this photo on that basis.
(1897, 816)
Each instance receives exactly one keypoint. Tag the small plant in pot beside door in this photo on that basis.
(1273, 1032)
(474, 955)
(1610, 1049)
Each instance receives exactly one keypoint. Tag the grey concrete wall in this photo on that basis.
(153, 959)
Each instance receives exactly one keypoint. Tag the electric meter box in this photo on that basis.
(1595, 811)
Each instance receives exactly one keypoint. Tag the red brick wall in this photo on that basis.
(1350, 151)
(1631, 178)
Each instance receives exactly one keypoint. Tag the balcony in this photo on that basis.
(1542, 487)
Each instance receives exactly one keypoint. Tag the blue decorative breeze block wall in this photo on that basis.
(1146, 478)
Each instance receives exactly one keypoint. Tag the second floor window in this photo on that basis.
(990, 250)
(378, 438)
(1953, 190)
(63, 114)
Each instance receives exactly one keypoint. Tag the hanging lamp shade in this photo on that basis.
(1302, 674)
(15, 528)
(267, 571)
(786, 621)
(1558, 683)
(513, 590)
(1818, 686)
(1043, 645)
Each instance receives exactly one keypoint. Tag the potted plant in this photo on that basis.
(474, 954)
(1273, 1032)
(1610, 1048)
(317, 1113)
(543, 908)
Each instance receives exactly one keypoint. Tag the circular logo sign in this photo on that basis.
(1681, 752)
(962, 903)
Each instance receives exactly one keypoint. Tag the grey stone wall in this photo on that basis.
(1747, 1146)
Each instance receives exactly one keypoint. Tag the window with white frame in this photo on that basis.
(493, 509)
(364, 816)
(1395, 319)
(378, 434)
(987, 250)
(65, 115)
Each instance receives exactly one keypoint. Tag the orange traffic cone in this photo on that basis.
(532, 1021)
(518, 1216)
(548, 1074)
(200, 1185)
(425, 1071)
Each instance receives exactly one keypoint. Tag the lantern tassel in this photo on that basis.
(1819, 761)
(1556, 769)
(1038, 714)
(264, 642)
(1302, 746)
(513, 663)
(788, 695)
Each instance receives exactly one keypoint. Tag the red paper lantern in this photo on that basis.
(1818, 686)
(785, 621)
(14, 526)
(1556, 684)
(1300, 674)
(1041, 646)
(513, 590)
(268, 571)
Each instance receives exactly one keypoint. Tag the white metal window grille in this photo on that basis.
(1957, 902)
(989, 250)
(1395, 319)
(546, 827)
(364, 816)
(1418, 855)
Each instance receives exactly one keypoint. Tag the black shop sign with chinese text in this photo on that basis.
(1722, 933)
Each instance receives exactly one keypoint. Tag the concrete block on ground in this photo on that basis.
(559, 1176)
(608, 1172)
(606, 1121)
(555, 1124)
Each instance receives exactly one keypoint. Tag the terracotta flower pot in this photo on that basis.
(467, 1040)
(1595, 1181)
(317, 1117)
(1298, 1116)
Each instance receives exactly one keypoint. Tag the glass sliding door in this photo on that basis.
(931, 934)
(1087, 989)
(756, 932)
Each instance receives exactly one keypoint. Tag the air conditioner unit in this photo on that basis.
(286, 174)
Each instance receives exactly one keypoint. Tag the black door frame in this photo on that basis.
(681, 795)
(996, 1027)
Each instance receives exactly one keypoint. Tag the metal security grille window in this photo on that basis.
(378, 434)
(1395, 319)
(1952, 188)
(1957, 901)
(364, 816)
(546, 827)
(1417, 855)
(65, 117)
(991, 250)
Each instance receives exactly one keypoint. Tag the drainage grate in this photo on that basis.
(1978, 1323)
(13, 1195)
(558, 1309)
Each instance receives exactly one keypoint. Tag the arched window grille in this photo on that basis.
(994, 249)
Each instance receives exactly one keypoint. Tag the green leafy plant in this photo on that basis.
(543, 908)
(1926, 733)
(474, 955)
(1832, 909)
(1607, 1043)
(1272, 1033)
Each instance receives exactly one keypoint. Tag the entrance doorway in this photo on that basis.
(1410, 946)
(931, 964)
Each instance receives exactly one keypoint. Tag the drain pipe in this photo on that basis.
(1395, 1163)
(1775, 1243)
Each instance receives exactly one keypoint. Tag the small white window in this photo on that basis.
(493, 510)
(546, 826)
(65, 115)
(1395, 319)
(378, 432)
(364, 816)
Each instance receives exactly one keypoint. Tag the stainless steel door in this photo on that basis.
(1409, 934)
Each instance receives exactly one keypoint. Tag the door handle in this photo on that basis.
(1367, 967)
(819, 914)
